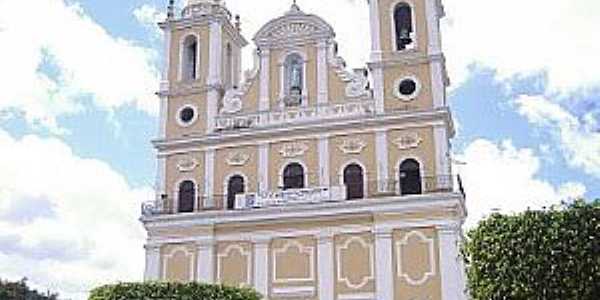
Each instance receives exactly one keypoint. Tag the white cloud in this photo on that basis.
(501, 177)
(519, 38)
(149, 16)
(50, 63)
(578, 139)
(86, 233)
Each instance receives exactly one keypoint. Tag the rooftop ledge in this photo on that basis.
(452, 202)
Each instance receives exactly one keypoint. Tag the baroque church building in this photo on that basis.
(301, 178)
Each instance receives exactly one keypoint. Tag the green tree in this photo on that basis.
(548, 254)
(172, 291)
(20, 291)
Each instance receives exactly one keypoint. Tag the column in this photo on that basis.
(263, 168)
(209, 173)
(324, 161)
(214, 80)
(322, 82)
(384, 282)
(383, 183)
(325, 264)
(442, 158)
(205, 269)
(451, 263)
(152, 271)
(161, 166)
(261, 266)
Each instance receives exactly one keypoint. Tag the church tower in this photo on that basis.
(305, 179)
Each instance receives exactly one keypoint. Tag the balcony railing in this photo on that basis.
(316, 195)
(295, 115)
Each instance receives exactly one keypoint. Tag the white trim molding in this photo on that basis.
(175, 250)
(430, 253)
(245, 254)
(302, 250)
(365, 245)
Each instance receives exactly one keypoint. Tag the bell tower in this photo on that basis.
(406, 59)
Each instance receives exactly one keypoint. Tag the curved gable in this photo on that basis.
(293, 28)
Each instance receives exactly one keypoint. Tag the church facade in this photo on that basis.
(302, 178)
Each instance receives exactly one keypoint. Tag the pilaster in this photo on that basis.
(205, 268)
(263, 168)
(442, 158)
(451, 263)
(214, 80)
(152, 271)
(324, 179)
(261, 265)
(384, 282)
(322, 81)
(326, 266)
(209, 173)
(264, 91)
(381, 147)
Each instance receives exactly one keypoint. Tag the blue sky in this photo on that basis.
(77, 114)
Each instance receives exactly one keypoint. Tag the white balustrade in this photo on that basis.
(295, 115)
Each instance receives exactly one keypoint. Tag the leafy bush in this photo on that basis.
(550, 254)
(19, 290)
(171, 291)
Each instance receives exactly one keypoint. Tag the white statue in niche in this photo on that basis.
(359, 84)
(232, 101)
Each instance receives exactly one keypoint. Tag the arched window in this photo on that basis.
(235, 186)
(403, 24)
(294, 79)
(354, 181)
(410, 177)
(189, 66)
(293, 176)
(187, 196)
(228, 67)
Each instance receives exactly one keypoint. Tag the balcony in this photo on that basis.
(371, 191)
(295, 115)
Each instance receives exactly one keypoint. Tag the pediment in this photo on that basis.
(293, 27)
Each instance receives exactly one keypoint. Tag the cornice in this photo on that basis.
(410, 58)
(447, 202)
(396, 119)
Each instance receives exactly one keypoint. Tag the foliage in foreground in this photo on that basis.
(550, 254)
(172, 291)
(20, 291)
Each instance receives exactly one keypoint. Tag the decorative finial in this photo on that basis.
(295, 8)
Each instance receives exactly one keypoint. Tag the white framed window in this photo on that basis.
(403, 26)
(407, 88)
(189, 58)
(187, 115)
